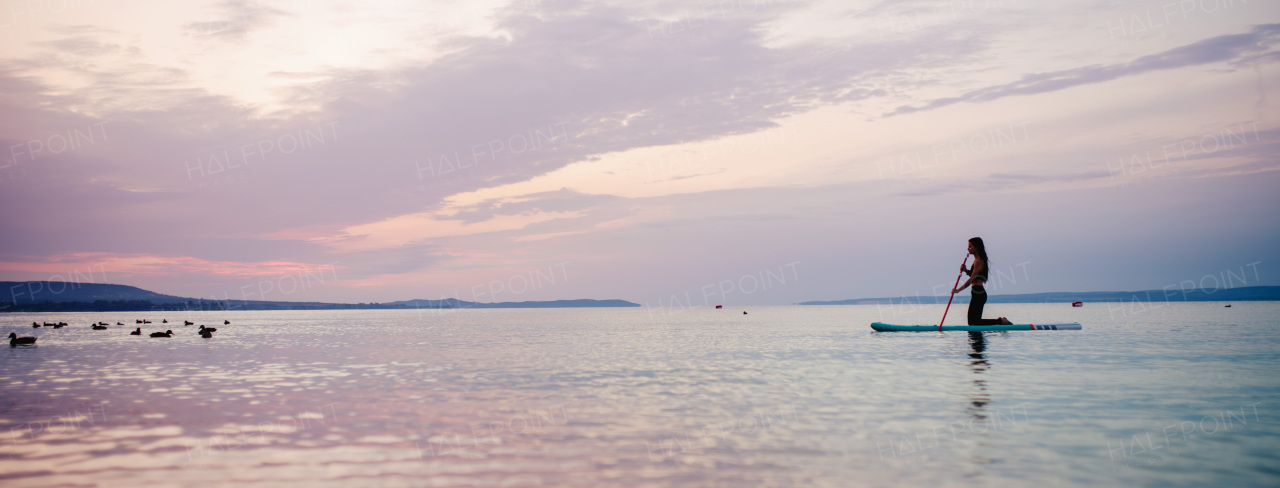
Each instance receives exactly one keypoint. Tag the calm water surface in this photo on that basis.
(1165, 395)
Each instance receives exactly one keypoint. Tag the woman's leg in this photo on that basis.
(977, 301)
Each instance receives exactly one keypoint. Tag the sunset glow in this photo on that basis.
(192, 149)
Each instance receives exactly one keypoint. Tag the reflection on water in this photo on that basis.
(978, 364)
(785, 396)
(979, 397)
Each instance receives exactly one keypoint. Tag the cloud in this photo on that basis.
(239, 18)
(135, 265)
(403, 259)
(1234, 149)
(562, 201)
(1228, 48)
(418, 159)
(589, 80)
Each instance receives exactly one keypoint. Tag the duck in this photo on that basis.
(164, 321)
(204, 329)
(137, 321)
(167, 333)
(146, 321)
(14, 340)
(59, 325)
(137, 331)
(207, 334)
(117, 323)
(97, 327)
(35, 325)
(188, 322)
(226, 322)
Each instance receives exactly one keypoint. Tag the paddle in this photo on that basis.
(953, 292)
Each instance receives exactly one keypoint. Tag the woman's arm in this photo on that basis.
(978, 264)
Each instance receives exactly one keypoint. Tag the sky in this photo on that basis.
(669, 153)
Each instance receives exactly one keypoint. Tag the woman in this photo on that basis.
(977, 277)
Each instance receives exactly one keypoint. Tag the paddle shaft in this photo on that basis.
(953, 293)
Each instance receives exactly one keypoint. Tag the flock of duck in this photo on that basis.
(205, 332)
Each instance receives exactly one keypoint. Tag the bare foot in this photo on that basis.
(1005, 321)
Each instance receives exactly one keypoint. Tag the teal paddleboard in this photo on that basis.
(882, 327)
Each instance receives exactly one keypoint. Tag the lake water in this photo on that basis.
(1182, 394)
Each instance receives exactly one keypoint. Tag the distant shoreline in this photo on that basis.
(58, 296)
(1239, 294)
(234, 305)
(109, 306)
(45, 296)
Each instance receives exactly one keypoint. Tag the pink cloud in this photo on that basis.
(99, 266)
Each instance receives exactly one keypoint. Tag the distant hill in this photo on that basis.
(58, 296)
(1241, 294)
(63, 291)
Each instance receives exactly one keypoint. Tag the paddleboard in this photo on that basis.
(882, 327)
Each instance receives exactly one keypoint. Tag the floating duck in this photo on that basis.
(59, 325)
(97, 327)
(226, 322)
(35, 325)
(204, 329)
(207, 334)
(167, 333)
(137, 321)
(14, 340)
(165, 321)
(137, 331)
(119, 323)
(188, 322)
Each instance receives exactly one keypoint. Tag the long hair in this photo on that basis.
(980, 250)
